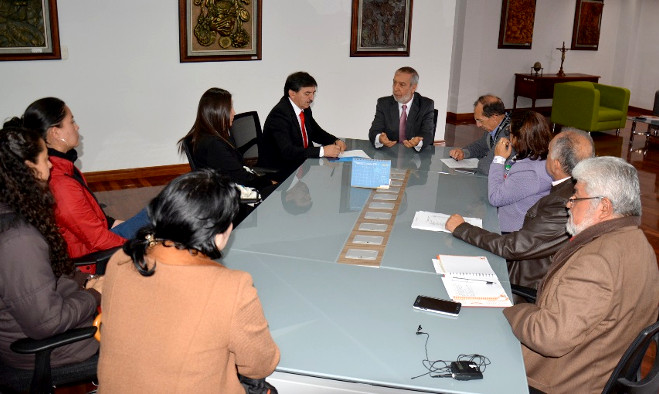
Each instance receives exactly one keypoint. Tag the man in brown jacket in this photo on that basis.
(600, 290)
(529, 250)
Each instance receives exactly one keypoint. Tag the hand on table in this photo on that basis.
(331, 150)
(457, 154)
(454, 221)
(341, 145)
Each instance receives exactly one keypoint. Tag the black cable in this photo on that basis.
(442, 368)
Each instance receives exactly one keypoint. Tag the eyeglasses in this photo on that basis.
(572, 200)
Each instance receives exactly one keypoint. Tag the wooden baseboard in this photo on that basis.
(134, 177)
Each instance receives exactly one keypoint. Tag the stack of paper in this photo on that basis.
(471, 281)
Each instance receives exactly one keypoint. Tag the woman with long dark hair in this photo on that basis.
(212, 146)
(39, 297)
(84, 225)
(516, 184)
(172, 316)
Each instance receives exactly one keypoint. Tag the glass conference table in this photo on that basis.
(352, 325)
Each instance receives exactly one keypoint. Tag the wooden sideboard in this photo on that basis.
(542, 86)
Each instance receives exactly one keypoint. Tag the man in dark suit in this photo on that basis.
(290, 130)
(405, 117)
(529, 250)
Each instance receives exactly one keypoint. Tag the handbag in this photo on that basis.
(256, 386)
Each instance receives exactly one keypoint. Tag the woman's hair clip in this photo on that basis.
(150, 239)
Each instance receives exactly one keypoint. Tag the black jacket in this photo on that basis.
(281, 145)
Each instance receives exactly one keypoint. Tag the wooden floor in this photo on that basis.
(645, 161)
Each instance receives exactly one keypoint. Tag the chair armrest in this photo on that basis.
(613, 97)
(527, 293)
(99, 258)
(262, 170)
(30, 346)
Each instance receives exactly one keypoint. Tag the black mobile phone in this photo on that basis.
(437, 305)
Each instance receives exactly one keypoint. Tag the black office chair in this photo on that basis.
(42, 378)
(528, 293)
(626, 377)
(246, 131)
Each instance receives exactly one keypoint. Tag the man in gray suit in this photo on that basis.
(405, 117)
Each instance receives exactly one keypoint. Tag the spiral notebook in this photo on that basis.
(471, 281)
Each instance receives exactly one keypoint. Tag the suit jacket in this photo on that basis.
(528, 250)
(420, 121)
(600, 291)
(189, 328)
(281, 146)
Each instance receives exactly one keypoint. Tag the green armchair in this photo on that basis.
(590, 106)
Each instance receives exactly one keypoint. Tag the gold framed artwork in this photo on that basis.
(381, 28)
(29, 30)
(516, 27)
(587, 24)
(219, 30)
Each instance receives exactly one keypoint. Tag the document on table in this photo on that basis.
(471, 281)
(351, 154)
(462, 164)
(433, 221)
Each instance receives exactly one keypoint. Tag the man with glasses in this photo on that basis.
(490, 115)
(529, 250)
(600, 290)
(405, 117)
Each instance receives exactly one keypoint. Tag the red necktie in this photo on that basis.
(402, 125)
(304, 131)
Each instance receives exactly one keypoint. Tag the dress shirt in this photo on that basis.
(297, 111)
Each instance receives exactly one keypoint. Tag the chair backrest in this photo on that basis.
(655, 111)
(246, 130)
(626, 377)
(188, 153)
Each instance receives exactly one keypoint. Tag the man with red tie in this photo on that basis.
(405, 117)
(290, 130)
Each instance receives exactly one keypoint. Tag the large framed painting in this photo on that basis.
(587, 24)
(219, 30)
(381, 28)
(516, 27)
(29, 30)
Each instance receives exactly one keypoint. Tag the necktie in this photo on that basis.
(402, 125)
(304, 131)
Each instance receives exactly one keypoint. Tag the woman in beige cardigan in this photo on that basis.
(174, 320)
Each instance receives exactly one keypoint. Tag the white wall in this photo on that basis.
(627, 55)
(133, 99)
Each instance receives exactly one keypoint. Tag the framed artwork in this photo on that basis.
(516, 28)
(220, 30)
(587, 23)
(29, 30)
(381, 28)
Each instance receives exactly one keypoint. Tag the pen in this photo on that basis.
(487, 282)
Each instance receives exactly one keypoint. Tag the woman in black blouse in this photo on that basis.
(211, 145)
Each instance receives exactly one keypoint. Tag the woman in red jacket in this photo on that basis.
(82, 222)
